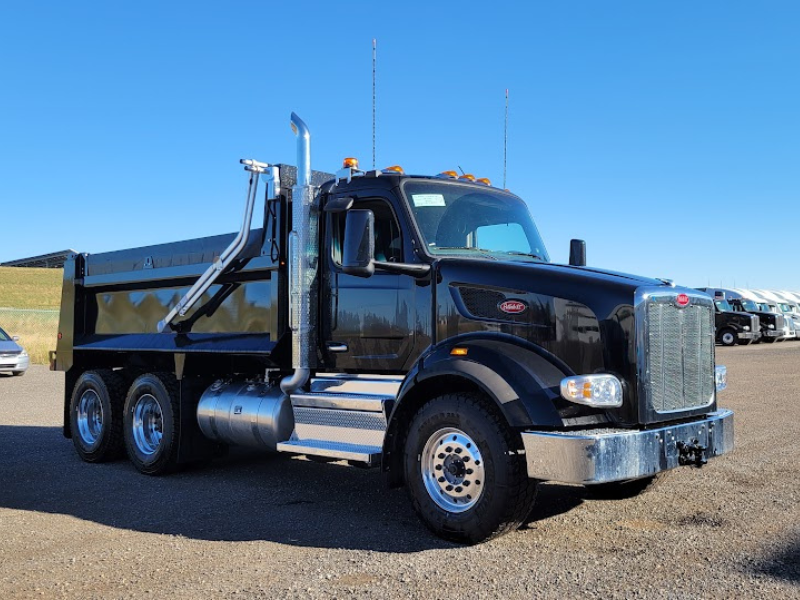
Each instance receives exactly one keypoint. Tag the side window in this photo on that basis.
(388, 239)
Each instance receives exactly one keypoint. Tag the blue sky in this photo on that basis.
(666, 134)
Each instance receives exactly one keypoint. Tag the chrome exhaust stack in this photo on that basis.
(303, 253)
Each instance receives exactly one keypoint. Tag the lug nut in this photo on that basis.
(449, 488)
(449, 449)
(438, 467)
(440, 480)
(459, 450)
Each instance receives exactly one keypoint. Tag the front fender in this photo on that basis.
(520, 378)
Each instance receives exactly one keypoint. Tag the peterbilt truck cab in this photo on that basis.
(411, 323)
(734, 327)
(772, 325)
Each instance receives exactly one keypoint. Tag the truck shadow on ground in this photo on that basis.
(783, 564)
(243, 497)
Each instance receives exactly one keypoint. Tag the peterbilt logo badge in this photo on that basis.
(682, 300)
(512, 307)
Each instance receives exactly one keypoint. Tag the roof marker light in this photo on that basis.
(394, 169)
(468, 176)
(450, 174)
(484, 181)
(350, 163)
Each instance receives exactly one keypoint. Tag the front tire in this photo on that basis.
(151, 423)
(17, 373)
(465, 476)
(727, 337)
(95, 415)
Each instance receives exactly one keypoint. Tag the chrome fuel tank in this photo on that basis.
(246, 414)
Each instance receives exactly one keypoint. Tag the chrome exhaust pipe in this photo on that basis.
(303, 251)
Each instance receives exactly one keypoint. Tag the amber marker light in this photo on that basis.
(450, 174)
(459, 351)
(468, 176)
(350, 163)
(484, 181)
(394, 169)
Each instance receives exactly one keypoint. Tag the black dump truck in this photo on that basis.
(410, 323)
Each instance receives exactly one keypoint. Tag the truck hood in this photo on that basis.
(596, 288)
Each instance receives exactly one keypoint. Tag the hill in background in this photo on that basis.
(22, 287)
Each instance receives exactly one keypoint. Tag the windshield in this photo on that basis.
(4, 337)
(723, 305)
(787, 308)
(461, 220)
(750, 306)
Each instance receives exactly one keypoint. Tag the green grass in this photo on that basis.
(21, 287)
(36, 294)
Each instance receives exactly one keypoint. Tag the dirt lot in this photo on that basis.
(276, 527)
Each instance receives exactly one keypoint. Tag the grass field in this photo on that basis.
(29, 303)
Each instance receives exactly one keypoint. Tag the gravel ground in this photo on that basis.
(251, 526)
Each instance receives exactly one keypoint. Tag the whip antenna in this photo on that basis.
(374, 68)
(505, 143)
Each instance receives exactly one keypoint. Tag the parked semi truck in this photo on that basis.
(734, 327)
(410, 323)
(772, 325)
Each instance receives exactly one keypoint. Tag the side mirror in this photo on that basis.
(358, 253)
(14, 338)
(577, 253)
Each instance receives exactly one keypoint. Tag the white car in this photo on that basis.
(13, 358)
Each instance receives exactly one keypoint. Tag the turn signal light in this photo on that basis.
(484, 181)
(604, 391)
(450, 174)
(468, 176)
(394, 169)
(350, 163)
(459, 351)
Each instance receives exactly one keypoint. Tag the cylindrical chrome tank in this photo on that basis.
(246, 414)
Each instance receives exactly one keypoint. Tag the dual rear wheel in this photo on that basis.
(106, 421)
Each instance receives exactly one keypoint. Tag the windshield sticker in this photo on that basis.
(428, 200)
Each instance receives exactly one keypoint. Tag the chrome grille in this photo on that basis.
(756, 325)
(676, 354)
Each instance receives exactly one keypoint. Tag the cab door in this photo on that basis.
(367, 321)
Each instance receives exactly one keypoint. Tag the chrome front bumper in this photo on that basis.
(602, 456)
(749, 335)
(772, 333)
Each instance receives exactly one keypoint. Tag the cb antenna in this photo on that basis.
(505, 144)
(374, 70)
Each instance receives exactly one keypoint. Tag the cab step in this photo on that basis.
(367, 455)
(333, 423)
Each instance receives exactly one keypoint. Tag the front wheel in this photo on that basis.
(466, 476)
(727, 337)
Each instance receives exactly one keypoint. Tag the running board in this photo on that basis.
(340, 426)
(368, 455)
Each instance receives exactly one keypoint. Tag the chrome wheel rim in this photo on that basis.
(147, 424)
(727, 338)
(90, 418)
(453, 470)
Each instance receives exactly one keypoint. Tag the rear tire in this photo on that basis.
(727, 337)
(152, 424)
(95, 415)
(621, 490)
(465, 476)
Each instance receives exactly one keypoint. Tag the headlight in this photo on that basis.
(720, 377)
(604, 391)
(746, 327)
(23, 353)
(770, 326)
